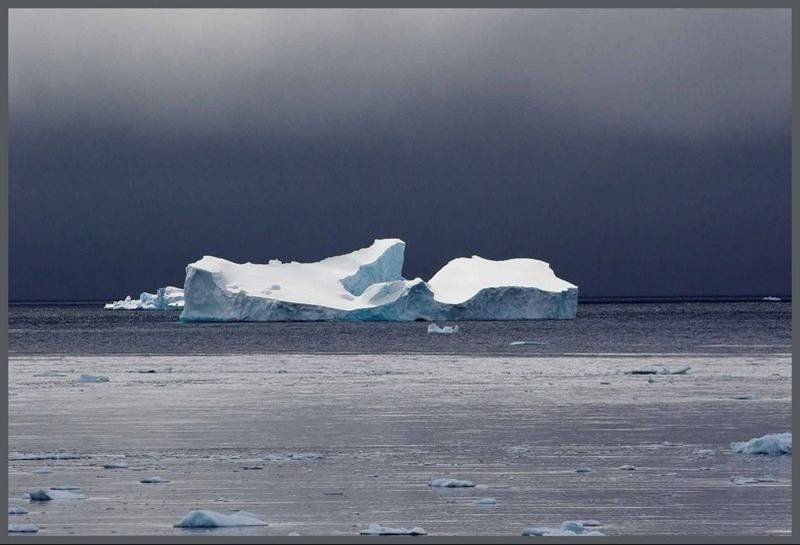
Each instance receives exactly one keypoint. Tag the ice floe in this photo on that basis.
(14, 456)
(658, 371)
(93, 378)
(153, 480)
(583, 469)
(774, 444)
(116, 465)
(292, 457)
(376, 529)
(450, 483)
(740, 481)
(486, 501)
(201, 518)
(14, 510)
(627, 467)
(568, 528)
(48, 494)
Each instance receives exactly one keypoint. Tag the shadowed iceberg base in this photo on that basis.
(368, 285)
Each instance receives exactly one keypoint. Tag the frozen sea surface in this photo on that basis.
(386, 425)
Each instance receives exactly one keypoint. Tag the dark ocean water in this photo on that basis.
(659, 328)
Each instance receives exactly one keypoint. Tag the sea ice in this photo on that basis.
(376, 529)
(45, 456)
(450, 483)
(658, 371)
(201, 518)
(168, 298)
(774, 444)
(22, 528)
(42, 471)
(368, 285)
(434, 328)
(486, 501)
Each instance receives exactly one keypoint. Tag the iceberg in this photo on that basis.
(169, 298)
(368, 284)
(376, 529)
(201, 518)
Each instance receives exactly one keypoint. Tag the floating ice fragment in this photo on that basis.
(14, 510)
(93, 378)
(53, 494)
(116, 465)
(658, 371)
(46, 456)
(775, 444)
(153, 480)
(292, 456)
(446, 330)
(450, 483)
(167, 298)
(627, 467)
(568, 528)
(376, 529)
(42, 471)
(201, 518)
(739, 481)
(771, 298)
(486, 501)
(583, 469)
(22, 528)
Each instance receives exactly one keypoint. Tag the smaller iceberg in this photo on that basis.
(775, 444)
(169, 298)
(446, 330)
(200, 518)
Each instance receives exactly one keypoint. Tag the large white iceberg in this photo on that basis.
(169, 298)
(368, 285)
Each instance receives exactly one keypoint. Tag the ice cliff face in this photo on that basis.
(368, 285)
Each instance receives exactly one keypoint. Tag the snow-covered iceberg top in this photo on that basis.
(368, 285)
(169, 298)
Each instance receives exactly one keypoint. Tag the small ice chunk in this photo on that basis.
(116, 465)
(591, 523)
(201, 518)
(583, 469)
(520, 343)
(486, 501)
(53, 494)
(446, 330)
(65, 487)
(739, 481)
(292, 457)
(22, 528)
(627, 467)
(153, 480)
(14, 510)
(42, 471)
(703, 453)
(450, 483)
(744, 397)
(93, 378)
(658, 371)
(293, 534)
(376, 529)
(775, 444)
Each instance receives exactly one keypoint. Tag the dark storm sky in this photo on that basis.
(640, 152)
